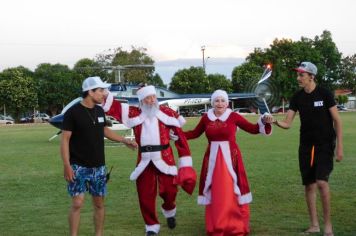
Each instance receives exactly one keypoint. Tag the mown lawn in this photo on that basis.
(34, 201)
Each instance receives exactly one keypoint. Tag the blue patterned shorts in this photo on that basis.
(88, 179)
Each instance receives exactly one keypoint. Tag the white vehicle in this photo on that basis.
(6, 120)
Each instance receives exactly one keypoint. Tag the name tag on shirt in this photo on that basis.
(318, 104)
(101, 119)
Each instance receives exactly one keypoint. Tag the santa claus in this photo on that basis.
(156, 167)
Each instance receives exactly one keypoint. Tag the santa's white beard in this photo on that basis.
(150, 110)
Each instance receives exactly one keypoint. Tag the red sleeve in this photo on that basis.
(245, 125)
(115, 111)
(182, 143)
(197, 131)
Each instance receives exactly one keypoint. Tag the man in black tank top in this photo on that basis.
(320, 125)
(82, 151)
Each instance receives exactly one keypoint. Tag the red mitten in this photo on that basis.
(187, 179)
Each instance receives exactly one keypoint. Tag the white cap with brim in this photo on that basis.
(307, 67)
(145, 91)
(93, 83)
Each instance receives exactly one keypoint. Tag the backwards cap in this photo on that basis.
(307, 67)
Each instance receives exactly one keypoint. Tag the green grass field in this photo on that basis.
(34, 201)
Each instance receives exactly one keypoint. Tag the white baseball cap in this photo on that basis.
(93, 83)
(308, 67)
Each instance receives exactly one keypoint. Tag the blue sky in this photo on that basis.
(38, 31)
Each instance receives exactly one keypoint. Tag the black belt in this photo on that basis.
(153, 148)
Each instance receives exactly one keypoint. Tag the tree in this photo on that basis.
(329, 62)
(85, 68)
(156, 81)
(18, 92)
(9, 73)
(192, 80)
(347, 72)
(245, 76)
(119, 57)
(56, 86)
(218, 81)
(285, 54)
(342, 99)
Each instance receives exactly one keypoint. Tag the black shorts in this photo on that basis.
(318, 167)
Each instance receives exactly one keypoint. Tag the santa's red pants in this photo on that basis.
(147, 192)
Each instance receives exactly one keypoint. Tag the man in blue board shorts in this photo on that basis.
(82, 151)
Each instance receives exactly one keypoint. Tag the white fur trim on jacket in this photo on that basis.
(223, 117)
(155, 157)
(150, 136)
(164, 118)
(169, 213)
(225, 149)
(185, 161)
(262, 128)
(155, 228)
(108, 102)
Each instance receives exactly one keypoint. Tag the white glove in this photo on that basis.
(172, 136)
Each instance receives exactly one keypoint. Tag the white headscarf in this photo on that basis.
(219, 93)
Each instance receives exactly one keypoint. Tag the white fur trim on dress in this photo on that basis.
(169, 213)
(223, 117)
(185, 161)
(155, 228)
(108, 102)
(262, 127)
(225, 149)
(146, 91)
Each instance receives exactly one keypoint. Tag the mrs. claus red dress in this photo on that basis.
(224, 187)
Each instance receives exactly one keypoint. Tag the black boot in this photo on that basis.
(150, 233)
(171, 222)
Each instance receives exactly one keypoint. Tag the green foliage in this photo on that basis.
(137, 56)
(347, 72)
(245, 76)
(56, 86)
(85, 68)
(285, 54)
(156, 81)
(18, 91)
(218, 81)
(192, 80)
(342, 99)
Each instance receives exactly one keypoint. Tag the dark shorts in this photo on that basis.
(88, 179)
(318, 167)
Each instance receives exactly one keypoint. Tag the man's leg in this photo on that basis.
(74, 214)
(325, 201)
(99, 215)
(310, 197)
(168, 192)
(146, 185)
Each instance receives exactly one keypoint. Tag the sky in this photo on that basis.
(65, 31)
